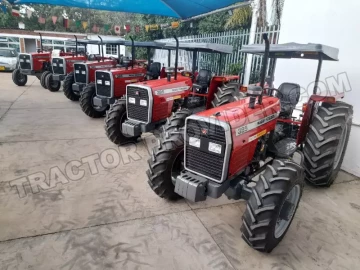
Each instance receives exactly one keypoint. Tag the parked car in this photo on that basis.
(8, 59)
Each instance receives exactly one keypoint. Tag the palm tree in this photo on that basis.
(242, 16)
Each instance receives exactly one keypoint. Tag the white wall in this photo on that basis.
(94, 49)
(334, 23)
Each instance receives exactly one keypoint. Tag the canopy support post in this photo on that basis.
(176, 57)
(132, 51)
(195, 54)
(149, 57)
(318, 73)
(220, 63)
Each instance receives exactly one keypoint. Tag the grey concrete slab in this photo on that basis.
(9, 92)
(49, 124)
(95, 193)
(175, 241)
(323, 235)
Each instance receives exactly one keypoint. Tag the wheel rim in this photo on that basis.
(177, 166)
(340, 147)
(287, 211)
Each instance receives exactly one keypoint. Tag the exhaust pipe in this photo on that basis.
(176, 57)
(76, 46)
(41, 43)
(102, 49)
(132, 51)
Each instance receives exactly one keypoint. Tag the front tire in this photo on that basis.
(113, 124)
(43, 78)
(18, 78)
(87, 104)
(166, 160)
(326, 142)
(51, 85)
(272, 205)
(67, 88)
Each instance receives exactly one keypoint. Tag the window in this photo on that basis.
(8, 53)
(111, 49)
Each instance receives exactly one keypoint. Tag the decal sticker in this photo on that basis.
(173, 98)
(103, 66)
(132, 81)
(171, 90)
(257, 136)
(129, 75)
(243, 129)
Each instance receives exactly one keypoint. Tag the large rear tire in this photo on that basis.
(18, 78)
(166, 160)
(51, 85)
(228, 93)
(43, 77)
(272, 205)
(67, 87)
(87, 104)
(113, 124)
(326, 142)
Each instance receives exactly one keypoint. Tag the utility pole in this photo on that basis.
(255, 15)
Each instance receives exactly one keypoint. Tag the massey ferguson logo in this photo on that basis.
(137, 93)
(204, 131)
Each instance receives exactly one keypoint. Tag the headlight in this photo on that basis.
(215, 148)
(132, 100)
(61, 65)
(77, 71)
(54, 64)
(107, 83)
(194, 142)
(83, 72)
(143, 102)
(27, 60)
(21, 60)
(99, 81)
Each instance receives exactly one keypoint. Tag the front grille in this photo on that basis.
(200, 159)
(58, 66)
(80, 73)
(103, 84)
(137, 111)
(25, 61)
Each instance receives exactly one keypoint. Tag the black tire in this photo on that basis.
(87, 105)
(67, 87)
(18, 78)
(43, 77)
(326, 142)
(259, 228)
(226, 94)
(113, 124)
(51, 85)
(166, 159)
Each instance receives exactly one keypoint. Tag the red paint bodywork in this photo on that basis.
(121, 83)
(163, 104)
(238, 114)
(70, 60)
(38, 59)
(92, 66)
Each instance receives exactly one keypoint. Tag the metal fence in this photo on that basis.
(231, 63)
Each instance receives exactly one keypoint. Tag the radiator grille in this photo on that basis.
(80, 73)
(58, 66)
(25, 61)
(200, 159)
(103, 84)
(135, 110)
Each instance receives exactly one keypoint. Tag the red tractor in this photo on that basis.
(36, 64)
(224, 149)
(148, 104)
(110, 84)
(63, 65)
(84, 72)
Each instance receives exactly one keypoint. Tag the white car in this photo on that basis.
(8, 59)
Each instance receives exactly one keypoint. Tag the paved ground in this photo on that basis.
(95, 210)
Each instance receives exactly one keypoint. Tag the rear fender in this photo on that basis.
(309, 112)
(217, 81)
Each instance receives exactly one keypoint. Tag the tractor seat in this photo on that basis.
(289, 95)
(154, 70)
(202, 81)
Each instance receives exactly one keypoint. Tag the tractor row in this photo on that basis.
(217, 137)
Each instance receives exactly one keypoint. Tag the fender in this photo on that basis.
(310, 107)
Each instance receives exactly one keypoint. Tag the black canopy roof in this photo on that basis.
(295, 50)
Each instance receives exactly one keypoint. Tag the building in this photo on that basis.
(29, 41)
(332, 23)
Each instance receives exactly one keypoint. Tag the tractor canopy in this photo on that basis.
(295, 50)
